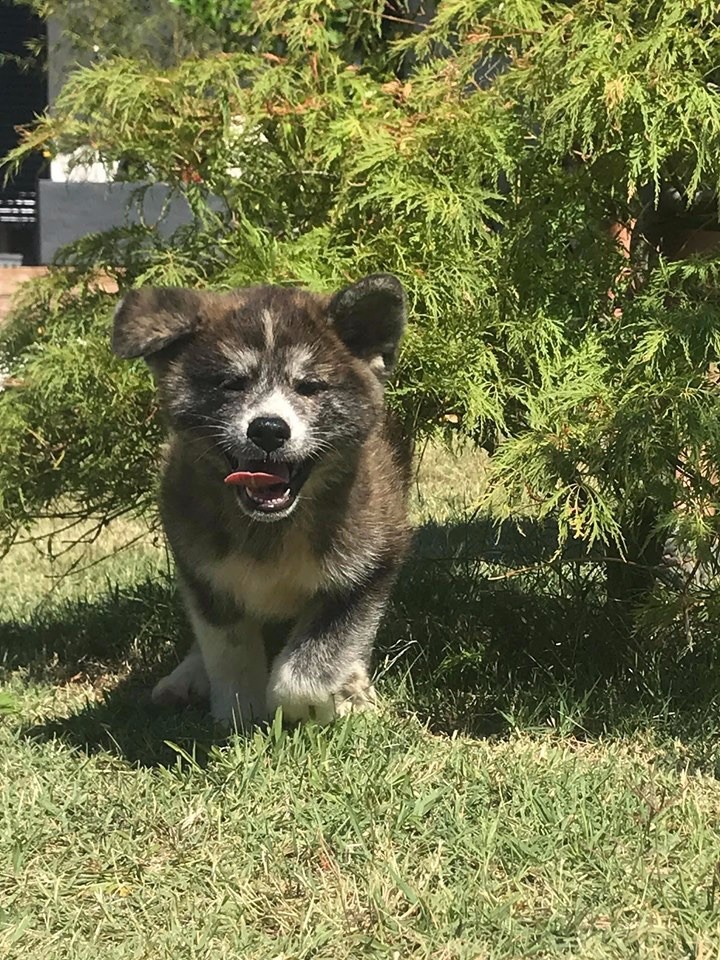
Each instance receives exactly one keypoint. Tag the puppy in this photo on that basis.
(283, 490)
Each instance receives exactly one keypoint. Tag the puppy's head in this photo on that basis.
(267, 383)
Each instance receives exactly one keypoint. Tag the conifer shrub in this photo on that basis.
(488, 155)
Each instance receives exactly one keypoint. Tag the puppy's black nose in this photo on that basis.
(268, 433)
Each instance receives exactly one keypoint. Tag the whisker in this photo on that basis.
(203, 416)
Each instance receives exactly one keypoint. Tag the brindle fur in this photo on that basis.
(319, 578)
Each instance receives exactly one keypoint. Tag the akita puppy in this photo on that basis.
(283, 489)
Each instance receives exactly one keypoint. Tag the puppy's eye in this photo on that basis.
(310, 387)
(235, 384)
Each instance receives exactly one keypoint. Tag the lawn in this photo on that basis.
(521, 793)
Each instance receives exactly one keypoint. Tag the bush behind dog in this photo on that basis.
(590, 373)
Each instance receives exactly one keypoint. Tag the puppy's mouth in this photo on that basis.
(267, 487)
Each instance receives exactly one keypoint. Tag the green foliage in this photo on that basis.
(492, 201)
(156, 31)
(219, 15)
(83, 454)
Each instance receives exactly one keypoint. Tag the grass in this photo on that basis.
(515, 797)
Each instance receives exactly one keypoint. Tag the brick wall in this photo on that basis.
(12, 277)
(10, 280)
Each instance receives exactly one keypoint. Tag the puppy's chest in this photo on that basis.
(278, 587)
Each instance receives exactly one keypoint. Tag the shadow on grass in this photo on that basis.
(133, 633)
(462, 647)
(478, 647)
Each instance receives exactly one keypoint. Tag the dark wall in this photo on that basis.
(23, 95)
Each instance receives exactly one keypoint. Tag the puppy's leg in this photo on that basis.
(188, 681)
(322, 672)
(234, 658)
(233, 653)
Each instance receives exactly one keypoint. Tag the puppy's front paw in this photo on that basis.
(357, 695)
(303, 698)
(291, 691)
(234, 708)
(188, 683)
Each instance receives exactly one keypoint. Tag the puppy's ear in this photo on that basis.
(151, 318)
(369, 317)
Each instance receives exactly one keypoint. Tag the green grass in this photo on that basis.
(521, 793)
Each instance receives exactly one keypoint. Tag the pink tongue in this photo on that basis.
(249, 478)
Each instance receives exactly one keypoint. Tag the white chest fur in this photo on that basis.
(273, 589)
